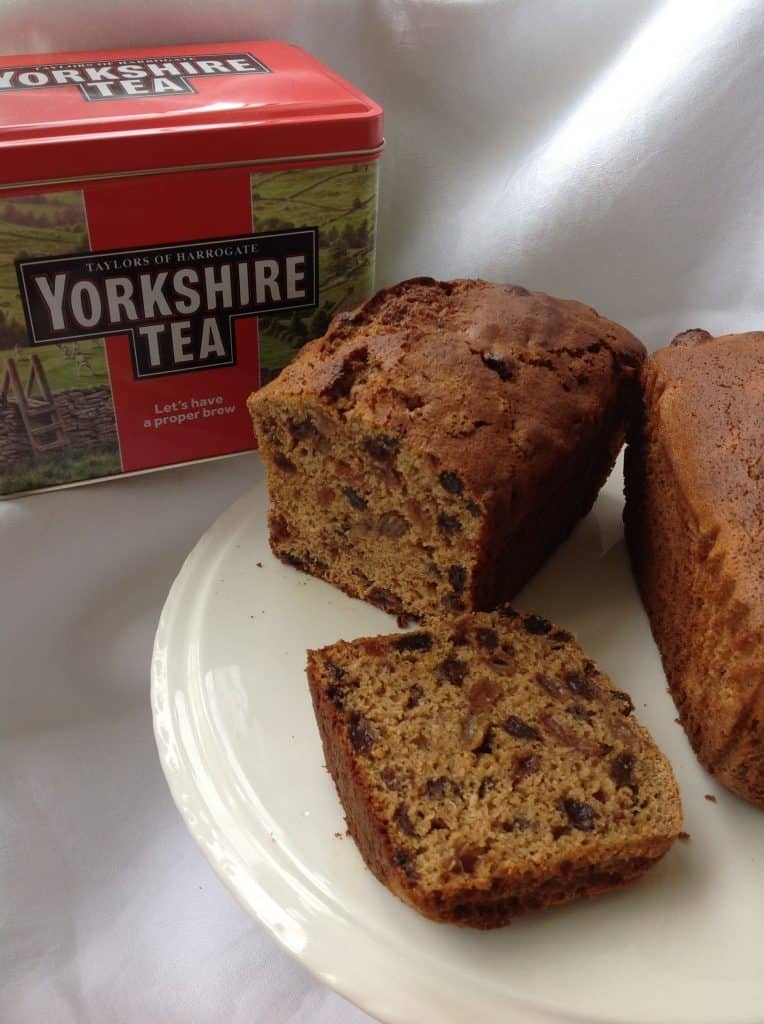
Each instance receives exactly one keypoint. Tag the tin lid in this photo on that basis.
(82, 115)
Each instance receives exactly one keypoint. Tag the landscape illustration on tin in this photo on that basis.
(340, 201)
(57, 421)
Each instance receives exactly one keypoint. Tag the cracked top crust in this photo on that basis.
(480, 377)
(708, 396)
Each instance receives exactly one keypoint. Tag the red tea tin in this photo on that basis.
(174, 224)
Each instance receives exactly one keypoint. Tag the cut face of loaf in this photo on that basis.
(487, 767)
(695, 529)
(430, 451)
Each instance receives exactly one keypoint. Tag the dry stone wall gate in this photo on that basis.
(60, 424)
(39, 413)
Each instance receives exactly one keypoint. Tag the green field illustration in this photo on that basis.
(56, 418)
(49, 224)
(53, 472)
(341, 201)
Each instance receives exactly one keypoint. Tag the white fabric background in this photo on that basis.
(606, 150)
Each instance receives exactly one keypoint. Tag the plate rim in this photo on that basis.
(370, 995)
(409, 1008)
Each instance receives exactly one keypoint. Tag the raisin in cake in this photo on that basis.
(434, 446)
(695, 529)
(487, 767)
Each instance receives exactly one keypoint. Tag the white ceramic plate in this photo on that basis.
(239, 745)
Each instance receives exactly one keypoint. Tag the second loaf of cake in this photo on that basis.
(433, 448)
(695, 529)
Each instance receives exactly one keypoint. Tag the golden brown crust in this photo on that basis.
(695, 528)
(521, 396)
(432, 359)
(371, 698)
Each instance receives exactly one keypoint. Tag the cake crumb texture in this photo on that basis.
(488, 767)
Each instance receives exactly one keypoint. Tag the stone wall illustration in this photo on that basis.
(87, 415)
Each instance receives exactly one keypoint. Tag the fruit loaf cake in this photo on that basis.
(695, 529)
(434, 446)
(488, 767)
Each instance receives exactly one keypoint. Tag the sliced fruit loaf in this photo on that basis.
(488, 767)
(431, 450)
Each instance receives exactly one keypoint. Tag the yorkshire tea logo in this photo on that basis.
(138, 76)
(178, 303)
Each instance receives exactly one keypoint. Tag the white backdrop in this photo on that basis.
(609, 150)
